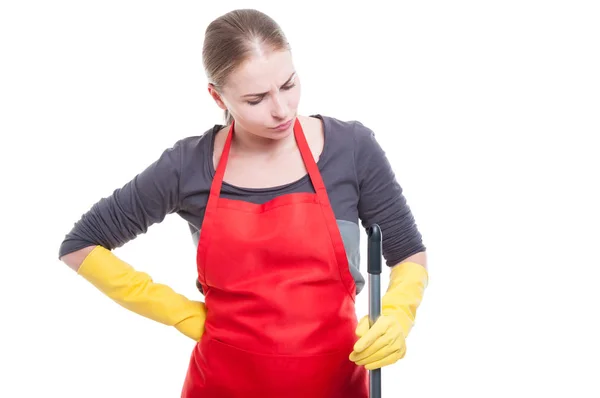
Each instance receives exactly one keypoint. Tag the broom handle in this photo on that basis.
(374, 270)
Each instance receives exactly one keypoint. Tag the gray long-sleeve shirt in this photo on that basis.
(361, 185)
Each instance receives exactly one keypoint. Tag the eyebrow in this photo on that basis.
(265, 93)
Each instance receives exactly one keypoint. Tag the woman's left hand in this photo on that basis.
(381, 345)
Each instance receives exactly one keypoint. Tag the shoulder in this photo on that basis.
(348, 135)
(186, 159)
(196, 144)
(369, 158)
(194, 151)
(344, 129)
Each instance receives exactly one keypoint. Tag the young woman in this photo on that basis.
(273, 200)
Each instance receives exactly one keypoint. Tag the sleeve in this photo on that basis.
(131, 209)
(381, 200)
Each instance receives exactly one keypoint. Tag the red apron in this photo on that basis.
(279, 297)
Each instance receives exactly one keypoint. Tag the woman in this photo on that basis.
(273, 201)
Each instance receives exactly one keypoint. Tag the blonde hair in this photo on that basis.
(231, 39)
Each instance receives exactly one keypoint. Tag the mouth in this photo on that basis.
(283, 126)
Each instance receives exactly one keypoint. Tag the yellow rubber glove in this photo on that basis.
(137, 292)
(384, 343)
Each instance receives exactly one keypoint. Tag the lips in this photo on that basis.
(283, 125)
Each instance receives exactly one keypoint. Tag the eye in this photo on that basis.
(254, 102)
(286, 87)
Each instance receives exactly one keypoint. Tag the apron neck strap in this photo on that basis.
(307, 157)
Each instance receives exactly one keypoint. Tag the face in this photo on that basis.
(262, 95)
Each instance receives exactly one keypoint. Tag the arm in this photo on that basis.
(130, 210)
(382, 202)
(113, 221)
(419, 258)
(137, 292)
(74, 259)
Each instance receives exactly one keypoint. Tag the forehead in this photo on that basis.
(261, 72)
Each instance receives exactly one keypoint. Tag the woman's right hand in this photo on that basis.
(193, 326)
(136, 291)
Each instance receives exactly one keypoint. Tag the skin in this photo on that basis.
(265, 72)
(261, 94)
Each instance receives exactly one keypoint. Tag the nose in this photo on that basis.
(279, 109)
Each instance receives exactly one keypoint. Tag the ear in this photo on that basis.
(216, 96)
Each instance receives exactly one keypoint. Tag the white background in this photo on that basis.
(488, 111)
